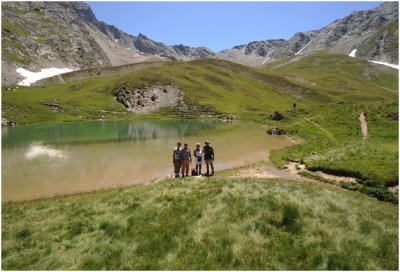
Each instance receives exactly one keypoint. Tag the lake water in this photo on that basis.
(55, 159)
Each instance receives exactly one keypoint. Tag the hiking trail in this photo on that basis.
(364, 127)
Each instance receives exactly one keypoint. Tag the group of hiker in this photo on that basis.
(182, 158)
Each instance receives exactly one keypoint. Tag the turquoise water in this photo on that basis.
(54, 159)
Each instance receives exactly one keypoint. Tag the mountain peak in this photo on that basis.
(142, 36)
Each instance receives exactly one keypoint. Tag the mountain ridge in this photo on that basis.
(341, 36)
(67, 34)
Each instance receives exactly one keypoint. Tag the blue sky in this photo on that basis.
(221, 25)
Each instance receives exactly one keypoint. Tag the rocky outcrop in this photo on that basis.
(7, 123)
(145, 100)
(53, 106)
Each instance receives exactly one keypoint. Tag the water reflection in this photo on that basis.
(37, 150)
(103, 131)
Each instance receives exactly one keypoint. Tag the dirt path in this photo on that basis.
(290, 172)
(263, 170)
(364, 127)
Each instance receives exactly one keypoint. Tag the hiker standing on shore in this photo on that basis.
(208, 152)
(176, 159)
(186, 157)
(198, 155)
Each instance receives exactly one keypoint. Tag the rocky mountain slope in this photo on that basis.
(38, 35)
(383, 45)
(341, 36)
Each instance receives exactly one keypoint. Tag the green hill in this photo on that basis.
(342, 78)
(203, 224)
(214, 86)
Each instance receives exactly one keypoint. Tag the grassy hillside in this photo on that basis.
(331, 132)
(203, 224)
(340, 77)
(221, 86)
(224, 86)
(97, 72)
(334, 144)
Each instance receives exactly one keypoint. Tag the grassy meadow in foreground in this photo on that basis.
(203, 224)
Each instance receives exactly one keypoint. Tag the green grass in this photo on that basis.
(13, 28)
(203, 224)
(340, 77)
(333, 141)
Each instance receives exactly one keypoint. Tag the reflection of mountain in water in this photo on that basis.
(139, 131)
(104, 131)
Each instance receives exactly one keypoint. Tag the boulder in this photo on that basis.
(276, 116)
(394, 116)
(6, 123)
(275, 131)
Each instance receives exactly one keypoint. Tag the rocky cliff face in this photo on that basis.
(38, 35)
(254, 53)
(383, 45)
(341, 36)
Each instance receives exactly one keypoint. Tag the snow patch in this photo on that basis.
(301, 50)
(353, 53)
(32, 77)
(395, 66)
(38, 150)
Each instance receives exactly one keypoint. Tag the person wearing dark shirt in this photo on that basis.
(176, 159)
(208, 152)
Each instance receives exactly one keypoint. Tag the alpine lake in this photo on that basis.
(45, 160)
